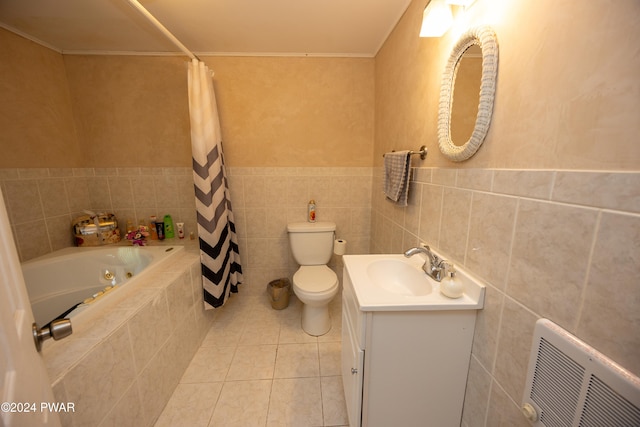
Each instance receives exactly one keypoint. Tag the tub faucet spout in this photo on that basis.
(433, 266)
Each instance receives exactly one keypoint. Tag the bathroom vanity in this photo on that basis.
(405, 347)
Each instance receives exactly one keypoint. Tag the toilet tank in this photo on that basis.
(311, 242)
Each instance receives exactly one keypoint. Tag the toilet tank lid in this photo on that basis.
(311, 227)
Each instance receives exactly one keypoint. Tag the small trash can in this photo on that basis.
(279, 291)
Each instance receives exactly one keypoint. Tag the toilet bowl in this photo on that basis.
(315, 286)
(314, 283)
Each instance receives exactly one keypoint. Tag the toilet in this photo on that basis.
(314, 283)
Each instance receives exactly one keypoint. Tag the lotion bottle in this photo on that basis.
(311, 214)
(450, 286)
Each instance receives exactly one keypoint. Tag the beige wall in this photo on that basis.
(567, 92)
(295, 111)
(550, 239)
(132, 111)
(36, 121)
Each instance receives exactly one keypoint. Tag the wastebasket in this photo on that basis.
(279, 291)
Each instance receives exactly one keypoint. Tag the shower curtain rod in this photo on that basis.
(162, 28)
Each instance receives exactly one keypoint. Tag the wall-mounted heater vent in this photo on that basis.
(572, 384)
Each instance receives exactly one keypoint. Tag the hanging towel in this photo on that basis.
(396, 176)
(219, 254)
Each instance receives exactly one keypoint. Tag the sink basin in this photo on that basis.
(393, 282)
(399, 277)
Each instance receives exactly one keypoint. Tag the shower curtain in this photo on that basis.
(219, 255)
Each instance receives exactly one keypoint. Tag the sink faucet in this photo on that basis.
(434, 266)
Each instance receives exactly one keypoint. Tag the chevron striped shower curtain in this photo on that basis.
(219, 255)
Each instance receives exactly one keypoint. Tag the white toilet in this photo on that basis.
(314, 283)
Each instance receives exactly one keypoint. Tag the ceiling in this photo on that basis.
(230, 27)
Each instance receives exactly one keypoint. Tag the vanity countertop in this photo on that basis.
(392, 282)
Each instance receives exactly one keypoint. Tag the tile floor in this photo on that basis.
(256, 367)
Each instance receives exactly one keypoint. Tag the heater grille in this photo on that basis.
(571, 384)
(604, 407)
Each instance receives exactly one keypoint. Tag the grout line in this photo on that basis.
(585, 282)
(505, 280)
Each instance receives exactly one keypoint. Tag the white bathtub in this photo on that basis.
(73, 279)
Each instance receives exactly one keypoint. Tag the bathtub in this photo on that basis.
(69, 281)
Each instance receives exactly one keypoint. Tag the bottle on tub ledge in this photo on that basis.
(311, 211)
(152, 227)
(160, 229)
(168, 227)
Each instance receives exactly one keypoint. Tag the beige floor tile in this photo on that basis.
(242, 404)
(274, 381)
(224, 333)
(297, 360)
(253, 362)
(191, 405)
(334, 334)
(330, 358)
(334, 409)
(209, 364)
(263, 331)
(291, 332)
(295, 402)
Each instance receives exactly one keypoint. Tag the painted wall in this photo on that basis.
(132, 111)
(567, 93)
(547, 213)
(279, 112)
(37, 127)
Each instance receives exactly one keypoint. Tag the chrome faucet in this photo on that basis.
(433, 266)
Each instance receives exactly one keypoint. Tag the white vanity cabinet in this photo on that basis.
(404, 367)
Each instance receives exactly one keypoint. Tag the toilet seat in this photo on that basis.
(315, 279)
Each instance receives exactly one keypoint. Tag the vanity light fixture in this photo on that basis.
(436, 19)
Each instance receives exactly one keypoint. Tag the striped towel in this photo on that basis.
(396, 176)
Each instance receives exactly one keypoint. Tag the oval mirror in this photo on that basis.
(463, 119)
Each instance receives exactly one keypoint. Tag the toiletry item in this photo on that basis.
(311, 216)
(152, 227)
(129, 226)
(450, 286)
(168, 227)
(180, 226)
(160, 229)
(192, 236)
(95, 229)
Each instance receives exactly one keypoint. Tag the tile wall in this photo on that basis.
(266, 199)
(127, 354)
(42, 202)
(564, 245)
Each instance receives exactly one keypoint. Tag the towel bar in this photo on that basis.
(422, 152)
